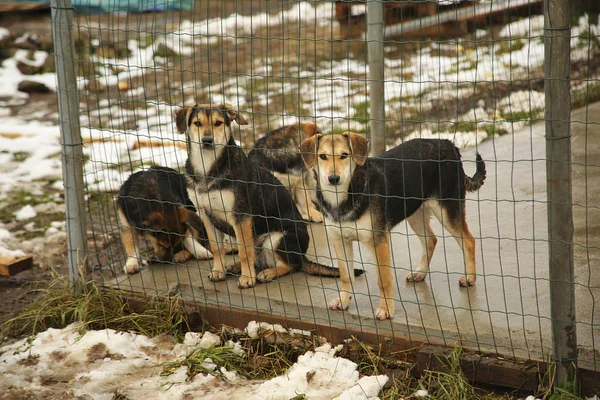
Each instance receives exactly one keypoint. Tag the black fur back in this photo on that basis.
(278, 150)
(395, 184)
(152, 190)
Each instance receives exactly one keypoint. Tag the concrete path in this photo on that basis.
(507, 312)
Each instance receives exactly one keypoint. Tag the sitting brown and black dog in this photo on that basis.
(277, 152)
(154, 204)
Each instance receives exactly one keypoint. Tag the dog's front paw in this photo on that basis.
(382, 314)
(384, 311)
(267, 275)
(416, 276)
(315, 216)
(246, 282)
(339, 304)
(467, 280)
(229, 248)
(217, 275)
(182, 257)
(203, 254)
(132, 266)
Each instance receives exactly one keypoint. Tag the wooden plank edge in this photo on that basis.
(12, 266)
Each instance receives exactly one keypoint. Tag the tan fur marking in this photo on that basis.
(182, 257)
(359, 146)
(420, 224)
(344, 252)
(234, 114)
(308, 148)
(181, 117)
(310, 130)
(460, 231)
(218, 271)
(127, 236)
(385, 278)
(243, 234)
(270, 274)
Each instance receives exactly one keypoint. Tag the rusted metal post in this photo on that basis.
(375, 28)
(558, 172)
(72, 145)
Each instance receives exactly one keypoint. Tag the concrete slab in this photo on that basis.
(507, 312)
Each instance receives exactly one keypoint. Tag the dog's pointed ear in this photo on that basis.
(308, 150)
(181, 118)
(359, 146)
(311, 130)
(234, 114)
(154, 220)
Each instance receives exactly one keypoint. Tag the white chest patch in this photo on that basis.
(360, 230)
(219, 203)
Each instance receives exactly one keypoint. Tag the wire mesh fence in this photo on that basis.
(276, 73)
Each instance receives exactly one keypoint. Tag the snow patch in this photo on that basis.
(4, 33)
(98, 363)
(209, 340)
(27, 212)
(254, 327)
(527, 27)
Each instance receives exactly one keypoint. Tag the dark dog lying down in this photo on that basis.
(155, 204)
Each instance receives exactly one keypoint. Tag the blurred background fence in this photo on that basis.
(487, 75)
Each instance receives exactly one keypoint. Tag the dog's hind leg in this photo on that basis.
(419, 222)
(128, 237)
(385, 276)
(458, 228)
(279, 256)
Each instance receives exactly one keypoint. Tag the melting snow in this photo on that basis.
(100, 363)
(27, 212)
(4, 248)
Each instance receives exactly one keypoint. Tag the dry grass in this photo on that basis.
(95, 308)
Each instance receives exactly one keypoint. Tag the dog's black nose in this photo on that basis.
(208, 140)
(334, 179)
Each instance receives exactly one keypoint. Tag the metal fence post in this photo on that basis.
(558, 170)
(375, 28)
(72, 145)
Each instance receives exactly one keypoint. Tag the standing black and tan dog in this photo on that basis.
(277, 152)
(238, 197)
(154, 203)
(363, 199)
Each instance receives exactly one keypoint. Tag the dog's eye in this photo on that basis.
(323, 157)
(198, 124)
(344, 155)
(218, 123)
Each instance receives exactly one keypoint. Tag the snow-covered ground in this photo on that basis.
(101, 363)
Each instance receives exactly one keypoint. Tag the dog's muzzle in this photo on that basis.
(334, 179)
(208, 143)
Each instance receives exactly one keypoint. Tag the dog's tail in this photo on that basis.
(314, 268)
(473, 184)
